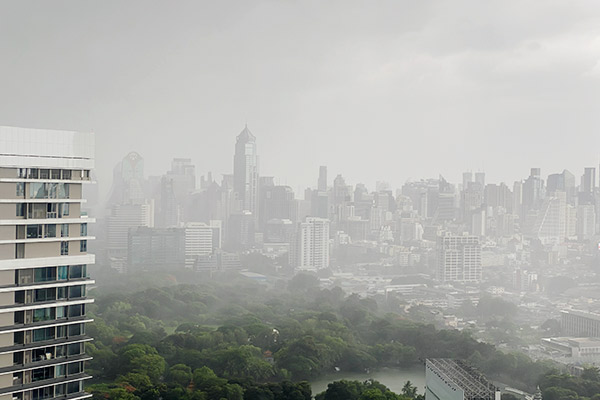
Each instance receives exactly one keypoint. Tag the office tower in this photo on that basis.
(478, 222)
(174, 197)
(459, 258)
(571, 223)
(564, 182)
(467, 177)
(245, 172)
(444, 204)
(587, 190)
(319, 204)
(279, 231)
(322, 184)
(201, 239)
(517, 198)
(472, 200)
(448, 379)
(155, 249)
(169, 210)
(184, 173)
(588, 180)
(310, 247)
(551, 222)
(533, 191)
(480, 178)
(122, 219)
(128, 181)
(43, 263)
(276, 202)
(586, 221)
(241, 231)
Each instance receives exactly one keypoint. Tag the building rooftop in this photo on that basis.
(473, 383)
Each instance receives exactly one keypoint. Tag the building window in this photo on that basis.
(44, 174)
(65, 209)
(20, 210)
(77, 271)
(50, 230)
(51, 210)
(34, 231)
(20, 250)
(61, 293)
(55, 174)
(83, 230)
(66, 174)
(63, 273)
(44, 294)
(20, 189)
(64, 230)
(83, 246)
(22, 173)
(44, 274)
(64, 248)
(38, 190)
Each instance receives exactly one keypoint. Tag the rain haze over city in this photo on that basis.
(288, 200)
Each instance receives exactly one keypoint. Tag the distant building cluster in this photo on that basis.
(451, 231)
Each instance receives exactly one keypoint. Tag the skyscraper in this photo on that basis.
(245, 172)
(43, 263)
(322, 184)
(588, 180)
(310, 247)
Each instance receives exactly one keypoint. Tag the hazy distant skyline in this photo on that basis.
(387, 90)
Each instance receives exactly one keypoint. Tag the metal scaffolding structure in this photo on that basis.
(473, 383)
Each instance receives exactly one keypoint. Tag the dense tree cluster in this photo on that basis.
(557, 386)
(238, 340)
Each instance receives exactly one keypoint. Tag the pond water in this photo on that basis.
(394, 379)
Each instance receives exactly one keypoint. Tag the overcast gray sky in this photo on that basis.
(376, 90)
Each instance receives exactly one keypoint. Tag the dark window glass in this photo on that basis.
(44, 274)
(20, 189)
(64, 248)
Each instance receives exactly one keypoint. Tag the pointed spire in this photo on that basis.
(246, 135)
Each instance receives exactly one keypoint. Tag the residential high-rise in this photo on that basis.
(43, 263)
(310, 247)
(459, 258)
(245, 172)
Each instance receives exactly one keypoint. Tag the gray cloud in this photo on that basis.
(377, 90)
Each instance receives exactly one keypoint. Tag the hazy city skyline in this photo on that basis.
(402, 90)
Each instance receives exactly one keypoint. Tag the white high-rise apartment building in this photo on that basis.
(310, 248)
(459, 258)
(43, 263)
(200, 240)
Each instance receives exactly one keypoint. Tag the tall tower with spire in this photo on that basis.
(245, 171)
